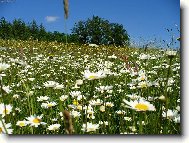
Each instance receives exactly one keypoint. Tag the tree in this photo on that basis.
(80, 30)
(119, 34)
(5, 29)
(34, 29)
(42, 33)
(19, 30)
(59, 37)
(100, 31)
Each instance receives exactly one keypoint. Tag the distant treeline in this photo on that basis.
(95, 30)
(19, 30)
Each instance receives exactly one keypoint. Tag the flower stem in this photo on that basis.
(3, 125)
(140, 124)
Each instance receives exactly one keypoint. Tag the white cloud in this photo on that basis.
(51, 18)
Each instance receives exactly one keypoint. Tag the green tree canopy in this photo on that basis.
(100, 31)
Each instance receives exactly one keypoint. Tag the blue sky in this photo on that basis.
(141, 18)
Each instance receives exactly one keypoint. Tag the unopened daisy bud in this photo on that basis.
(79, 82)
(16, 96)
(102, 108)
(79, 107)
(162, 98)
(178, 108)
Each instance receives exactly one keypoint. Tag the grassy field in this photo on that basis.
(52, 88)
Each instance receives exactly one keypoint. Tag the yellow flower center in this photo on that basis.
(75, 102)
(21, 124)
(1, 130)
(143, 85)
(141, 107)
(142, 78)
(92, 77)
(36, 120)
(5, 111)
(49, 105)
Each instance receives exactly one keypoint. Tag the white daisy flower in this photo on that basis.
(48, 104)
(90, 127)
(50, 84)
(63, 97)
(109, 104)
(6, 89)
(133, 96)
(93, 75)
(171, 53)
(5, 109)
(144, 56)
(171, 114)
(142, 84)
(35, 121)
(80, 97)
(54, 127)
(112, 57)
(177, 119)
(59, 86)
(42, 98)
(142, 76)
(75, 93)
(96, 102)
(103, 88)
(139, 105)
(7, 126)
(4, 66)
(22, 123)
(75, 113)
(89, 109)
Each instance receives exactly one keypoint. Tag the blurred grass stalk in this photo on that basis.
(66, 10)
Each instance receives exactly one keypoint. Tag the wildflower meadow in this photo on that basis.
(56, 88)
